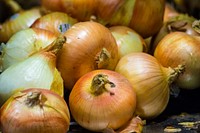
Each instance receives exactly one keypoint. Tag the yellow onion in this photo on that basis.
(56, 22)
(36, 71)
(144, 16)
(24, 43)
(18, 21)
(181, 23)
(89, 46)
(35, 110)
(128, 40)
(179, 48)
(102, 99)
(150, 80)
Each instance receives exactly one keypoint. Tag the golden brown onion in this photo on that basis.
(35, 110)
(102, 99)
(89, 46)
(150, 80)
(179, 48)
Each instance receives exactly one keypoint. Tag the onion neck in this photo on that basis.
(100, 84)
(175, 72)
(35, 98)
(56, 45)
(102, 59)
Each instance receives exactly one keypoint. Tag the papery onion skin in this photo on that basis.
(23, 44)
(50, 114)
(23, 20)
(37, 71)
(149, 80)
(137, 14)
(178, 48)
(54, 21)
(86, 41)
(128, 40)
(97, 111)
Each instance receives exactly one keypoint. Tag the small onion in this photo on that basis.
(102, 99)
(23, 44)
(150, 80)
(128, 40)
(169, 12)
(35, 111)
(17, 22)
(89, 46)
(56, 22)
(37, 71)
(178, 48)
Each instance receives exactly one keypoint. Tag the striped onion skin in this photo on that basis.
(150, 80)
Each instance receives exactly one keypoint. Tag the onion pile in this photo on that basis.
(137, 14)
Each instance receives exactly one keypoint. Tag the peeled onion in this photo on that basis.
(23, 44)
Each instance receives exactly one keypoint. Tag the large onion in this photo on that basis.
(35, 111)
(178, 48)
(102, 99)
(150, 80)
(89, 46)
(137, 14)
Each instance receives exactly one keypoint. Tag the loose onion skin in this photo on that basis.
(128, 40)
(89, 46)
(179, 48)
(150, 80)
(31, 40)
(18, 21)
(54, 21)
(35, 110)
(137, 14)
(102, 99)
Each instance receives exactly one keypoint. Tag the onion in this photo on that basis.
(150, 80)
(102, 99)
(181, 23)
(17, 22)
(178, 48)
(35, 111)
(128, 40)
(56, 22)
(37, 71)
(23, 44)
(89, 46)
(137, 14)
